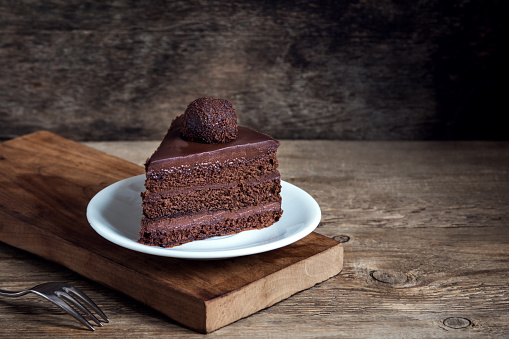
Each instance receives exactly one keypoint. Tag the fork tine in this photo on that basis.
(73, 302)
(62, 304)
(71, 290)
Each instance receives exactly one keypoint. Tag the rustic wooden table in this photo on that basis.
(426, 238)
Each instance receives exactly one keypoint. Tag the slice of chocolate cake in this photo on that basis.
(209, 177)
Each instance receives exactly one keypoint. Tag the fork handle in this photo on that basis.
(5, 293)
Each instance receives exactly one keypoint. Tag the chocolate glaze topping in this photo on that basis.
(210, 121)
(174, 151)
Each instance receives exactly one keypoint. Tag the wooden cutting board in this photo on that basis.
(46, 182)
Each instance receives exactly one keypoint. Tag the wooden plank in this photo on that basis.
(47, 182)
(294, 69)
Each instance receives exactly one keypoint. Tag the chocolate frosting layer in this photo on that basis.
(174, 151)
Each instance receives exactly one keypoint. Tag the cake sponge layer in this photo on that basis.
(211, 198)
(168, 232)
(232, 170)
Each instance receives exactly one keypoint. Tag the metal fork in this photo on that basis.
(65, 296)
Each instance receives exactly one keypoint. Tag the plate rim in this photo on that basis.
(107, 233)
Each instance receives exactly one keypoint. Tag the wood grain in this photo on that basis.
(47, 182)
(426, 239)
(370, 70)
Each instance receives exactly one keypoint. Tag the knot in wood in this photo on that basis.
(341, 238)
(457, 322)
(394, 279)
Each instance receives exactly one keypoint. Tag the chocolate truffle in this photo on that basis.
(210, 121)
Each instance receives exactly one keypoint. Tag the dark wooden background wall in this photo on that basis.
(371, 70)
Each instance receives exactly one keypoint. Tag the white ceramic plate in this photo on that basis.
(115, 213)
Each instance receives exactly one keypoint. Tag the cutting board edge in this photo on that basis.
(217, 317)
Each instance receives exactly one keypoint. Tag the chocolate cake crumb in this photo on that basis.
(210, 121)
